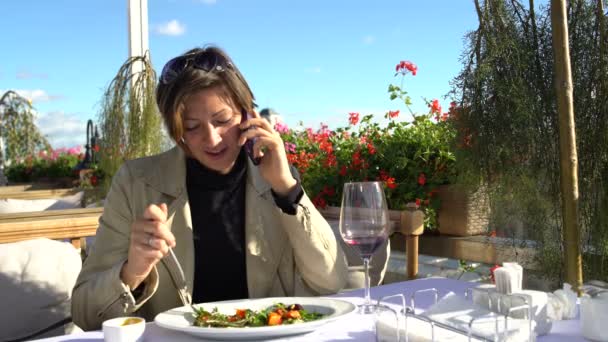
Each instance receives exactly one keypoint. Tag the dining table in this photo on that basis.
(353, 327)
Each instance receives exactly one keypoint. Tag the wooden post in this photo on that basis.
(412, 225)
(567, 144)
(411, 248)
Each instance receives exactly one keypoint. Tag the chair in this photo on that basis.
(36, 281)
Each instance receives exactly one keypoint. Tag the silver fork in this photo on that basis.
(182, 290)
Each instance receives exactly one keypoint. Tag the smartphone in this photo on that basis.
(250, 142)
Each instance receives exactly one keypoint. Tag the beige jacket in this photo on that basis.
(286, 255)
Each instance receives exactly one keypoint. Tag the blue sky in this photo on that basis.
(313, 60)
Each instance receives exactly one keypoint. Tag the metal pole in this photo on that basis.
(138, 31)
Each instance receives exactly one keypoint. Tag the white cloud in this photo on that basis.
(314, 70)
(170, 28)
(61, 129)
(209, 2)
(36, 95)
(369, 39)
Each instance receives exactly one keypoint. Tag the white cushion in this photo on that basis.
(11, 205)
(36, 281)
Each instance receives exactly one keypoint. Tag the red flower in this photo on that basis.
(393, 113)
(405, 66)
(331, 161)
(421, 179)
(357, 161)
(418, 202)
(96, 148)
(390, 183)
(94, 180)
(383, 175)
(319, 202)
(329, 191)
(371, 149)
(492, 273)
(342, 171)
(326, 146)
(353, 118)
(435, 107)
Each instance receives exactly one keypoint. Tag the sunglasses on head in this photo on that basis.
(204, 60)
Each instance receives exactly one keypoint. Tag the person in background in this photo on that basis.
(238, 230)
(271, 116)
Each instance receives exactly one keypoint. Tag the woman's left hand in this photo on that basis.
(269, 146)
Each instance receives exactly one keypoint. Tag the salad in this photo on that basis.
(277, 314)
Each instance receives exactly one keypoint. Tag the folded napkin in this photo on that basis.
(562, 303)
(509, 278)
(594, 315)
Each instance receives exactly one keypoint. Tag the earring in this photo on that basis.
(182, 141)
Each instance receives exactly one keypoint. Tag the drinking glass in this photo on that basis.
(364, 224)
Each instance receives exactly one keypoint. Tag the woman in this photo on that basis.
(238, 230)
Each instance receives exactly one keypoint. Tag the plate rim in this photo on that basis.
(283, 330)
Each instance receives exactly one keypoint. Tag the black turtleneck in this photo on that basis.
(217, 207)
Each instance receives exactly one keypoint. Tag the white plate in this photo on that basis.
(181, 319)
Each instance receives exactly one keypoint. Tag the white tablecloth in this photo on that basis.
(355, 327)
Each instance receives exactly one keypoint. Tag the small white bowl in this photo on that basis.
(124, 329)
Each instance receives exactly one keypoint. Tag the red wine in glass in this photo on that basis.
(366, 245)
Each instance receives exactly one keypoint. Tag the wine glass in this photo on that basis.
(364, 225)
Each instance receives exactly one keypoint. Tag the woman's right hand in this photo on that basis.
(150, 242)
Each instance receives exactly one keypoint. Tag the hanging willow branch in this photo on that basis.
(21, 136)
(509, 119)
(129, 120)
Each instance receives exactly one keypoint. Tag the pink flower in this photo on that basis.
(281, 128)
(74, 150)
(290, 147)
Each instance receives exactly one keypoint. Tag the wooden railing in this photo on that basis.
(72, 224)
(21, 192)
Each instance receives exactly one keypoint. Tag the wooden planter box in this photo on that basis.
(462, 212)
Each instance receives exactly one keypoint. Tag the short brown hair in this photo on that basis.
(170, 97)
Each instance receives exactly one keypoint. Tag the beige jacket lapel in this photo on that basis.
(265, 240)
